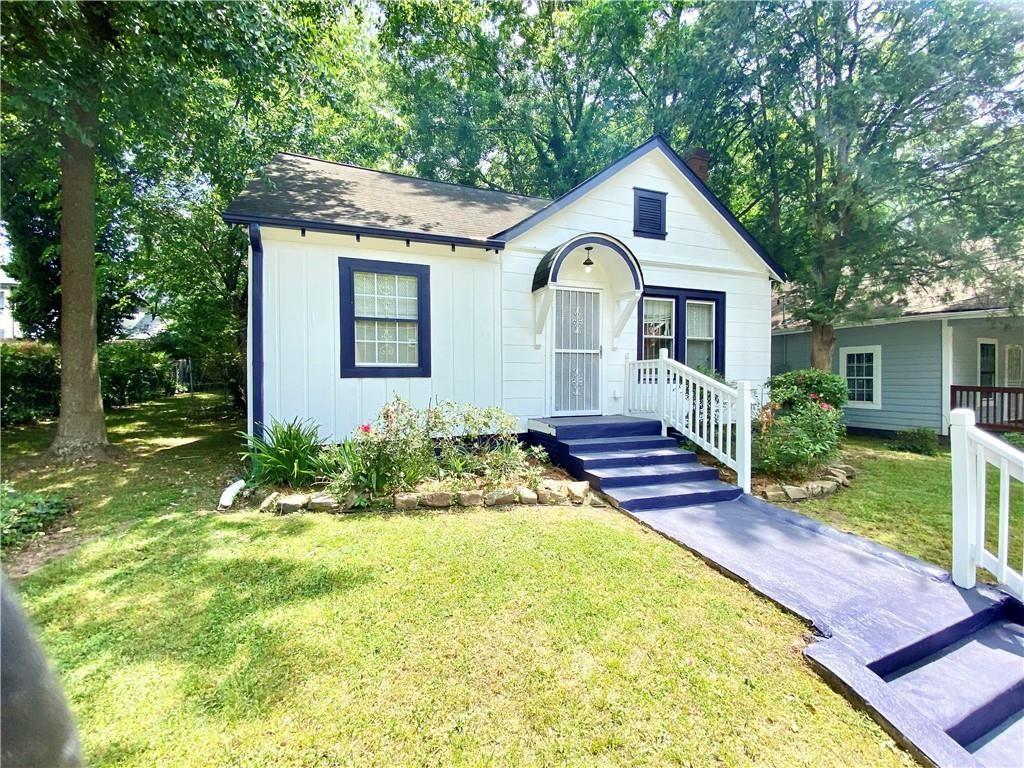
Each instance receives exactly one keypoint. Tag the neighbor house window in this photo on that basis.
(987, 352)
(862, 369)
(385, 311)
(700, 334)
(659, 327)
(1014, 365)
(649, 213)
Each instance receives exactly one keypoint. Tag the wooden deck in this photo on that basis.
(996, 409)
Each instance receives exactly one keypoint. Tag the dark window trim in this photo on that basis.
(682, 295)
(639, 194)
(347, 318)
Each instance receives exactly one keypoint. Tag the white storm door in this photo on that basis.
(577, 352)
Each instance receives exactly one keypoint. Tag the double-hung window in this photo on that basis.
(385, 318)
(659, 328)
(700, 334)
(862, 369)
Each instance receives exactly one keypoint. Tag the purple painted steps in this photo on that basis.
(630, 461)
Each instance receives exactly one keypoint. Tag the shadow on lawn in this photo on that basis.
(173, 593)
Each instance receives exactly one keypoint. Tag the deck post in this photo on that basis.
(965, 552)
(743, 437)
(663, 388)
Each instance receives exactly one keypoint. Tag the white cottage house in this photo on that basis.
(364, 284)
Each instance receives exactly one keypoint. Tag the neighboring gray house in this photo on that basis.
(951, 345)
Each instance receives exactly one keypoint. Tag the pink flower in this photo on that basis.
(825, 406)
(365, 429)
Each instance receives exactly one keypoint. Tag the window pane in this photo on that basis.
(386, 295)
(408, 354)
(700, 354)
(653, 347)
(987, 365)
(366, 353)
(658, 317)
(700, 320)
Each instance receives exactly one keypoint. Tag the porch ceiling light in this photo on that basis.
(588, 263)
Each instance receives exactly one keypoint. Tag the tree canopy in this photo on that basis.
(866, 143)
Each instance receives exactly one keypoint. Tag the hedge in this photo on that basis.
(130, 372)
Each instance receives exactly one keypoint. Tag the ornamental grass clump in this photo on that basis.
(288, 453)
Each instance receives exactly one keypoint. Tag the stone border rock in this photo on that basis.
(548, 492)
(836, 476)
(551, 492)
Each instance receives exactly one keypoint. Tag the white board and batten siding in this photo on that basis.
(483, 342)
(700, 251)
(302, 329)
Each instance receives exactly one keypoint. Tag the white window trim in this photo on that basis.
(977, 362)
(876, 375)
(672, 338)
(1006, 365)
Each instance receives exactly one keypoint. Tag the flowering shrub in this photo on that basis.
(810, 384)
(445, 441)
(796, 442)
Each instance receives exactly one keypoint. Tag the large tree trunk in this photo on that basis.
(81, 430)
(822, 341)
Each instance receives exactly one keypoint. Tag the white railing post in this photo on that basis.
(627, 389)
(662, 388)
(743, 437)
(965, 550)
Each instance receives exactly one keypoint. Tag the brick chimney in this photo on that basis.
(697, 159)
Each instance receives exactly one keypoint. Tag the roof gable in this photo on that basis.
(657, 143)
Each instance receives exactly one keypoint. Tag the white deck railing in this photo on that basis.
(707, 412)
(973, 452)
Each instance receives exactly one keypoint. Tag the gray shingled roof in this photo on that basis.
(941, 297)
(311, 191)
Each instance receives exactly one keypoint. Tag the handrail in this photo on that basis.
(713, 415)
(995, 408)
(973, 451)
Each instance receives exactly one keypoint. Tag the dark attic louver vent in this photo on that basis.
(649, 213)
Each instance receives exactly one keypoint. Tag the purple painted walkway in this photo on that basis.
(942, 668)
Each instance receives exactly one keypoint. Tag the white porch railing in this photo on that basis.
(973, 451)
(710, 414)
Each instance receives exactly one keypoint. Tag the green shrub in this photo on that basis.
(287, 454)
(799, 441)
(25, 515)
(130, 372)
(29, 382)
(920, 440)
(1016, 439)
(808, 385)
(133, 372)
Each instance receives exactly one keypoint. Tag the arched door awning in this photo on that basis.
(606, 248)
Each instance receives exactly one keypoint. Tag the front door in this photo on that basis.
(577, 352)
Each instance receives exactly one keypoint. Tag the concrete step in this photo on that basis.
(971, 687)
(627, 443)
(654, 496)
(635, 458)
(594, 427)
(609, 478)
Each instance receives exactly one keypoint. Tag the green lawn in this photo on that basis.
(540, 636)
(904, 500)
